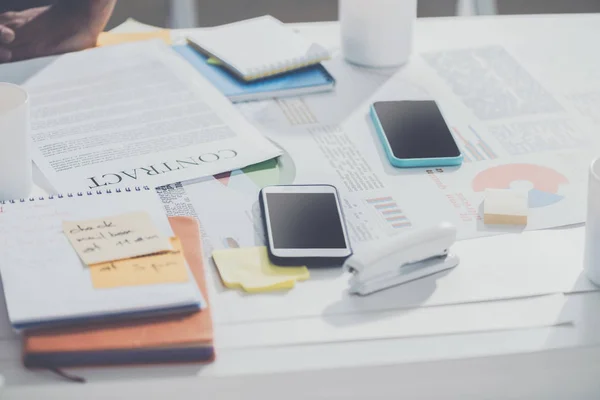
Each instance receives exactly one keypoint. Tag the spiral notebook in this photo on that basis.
(258, 47)
(45, 282)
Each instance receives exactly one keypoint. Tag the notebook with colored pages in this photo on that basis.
(258, 47)
(188, 338)
(47, 284)
(312, 79)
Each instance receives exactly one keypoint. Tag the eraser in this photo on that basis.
(505, 207)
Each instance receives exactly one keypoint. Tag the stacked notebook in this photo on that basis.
(313, 79)
(258, 48)
(148, 308)
(185, 338)
(258, 58)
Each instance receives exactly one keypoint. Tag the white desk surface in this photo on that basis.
(550, 363)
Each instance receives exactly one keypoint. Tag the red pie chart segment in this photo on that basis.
(545, 181)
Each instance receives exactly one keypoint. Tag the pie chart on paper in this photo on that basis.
(544, 182)
(277, 171)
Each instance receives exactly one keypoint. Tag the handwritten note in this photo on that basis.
(148, 270)
(115, 238)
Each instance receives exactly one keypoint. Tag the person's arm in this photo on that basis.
(95, 12)
(7, 35)
(68, 25)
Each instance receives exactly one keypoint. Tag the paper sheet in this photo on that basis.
(548, 155)
(168, 267)
(354, 86)
(499, 267)
(249, 268)
(176, 200)
(144, 118)
(479, 317)
(348, 155)
(115, 237)
(132, 25)
(230, 215)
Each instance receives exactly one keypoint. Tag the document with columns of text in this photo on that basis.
(135, 114)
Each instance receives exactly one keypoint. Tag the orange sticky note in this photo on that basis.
(148, 270)
(109, 38)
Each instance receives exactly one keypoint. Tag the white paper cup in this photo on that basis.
(377, 33)
(591, 263)
(15, 143)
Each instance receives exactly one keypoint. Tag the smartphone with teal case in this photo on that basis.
(414, 134)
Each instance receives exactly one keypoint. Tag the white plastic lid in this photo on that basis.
(11, 97)
(595, 169)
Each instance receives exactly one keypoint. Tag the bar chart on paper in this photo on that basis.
(389, 212)
(373, 216)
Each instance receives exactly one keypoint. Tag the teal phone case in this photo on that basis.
(410, 162)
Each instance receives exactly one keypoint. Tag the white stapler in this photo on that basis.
(402, 259)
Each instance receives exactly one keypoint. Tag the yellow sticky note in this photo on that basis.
(115, 237)
(109, 38)
(148, 270)
(249, 268)
(214, 61)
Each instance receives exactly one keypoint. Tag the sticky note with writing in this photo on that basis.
(115, 238)
(147, 270)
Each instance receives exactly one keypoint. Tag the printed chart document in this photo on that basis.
(514, 133)
(135, 114)
(380, 201)
(374, 209)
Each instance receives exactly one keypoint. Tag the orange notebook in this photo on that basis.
(187, 338)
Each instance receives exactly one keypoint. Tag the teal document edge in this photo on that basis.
(410, 162)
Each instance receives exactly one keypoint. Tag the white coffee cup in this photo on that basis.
(591, 261)
(377, 33)
(15, 143)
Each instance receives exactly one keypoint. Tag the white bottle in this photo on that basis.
(377, 33)
(15, 143)
(592, 225)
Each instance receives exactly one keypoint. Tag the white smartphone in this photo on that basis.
(304, 225)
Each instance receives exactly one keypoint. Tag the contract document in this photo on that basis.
(135, 114)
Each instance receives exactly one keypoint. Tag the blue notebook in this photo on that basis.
(309, 80)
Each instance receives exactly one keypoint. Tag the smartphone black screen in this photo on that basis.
(416, 129)
(305, 221)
